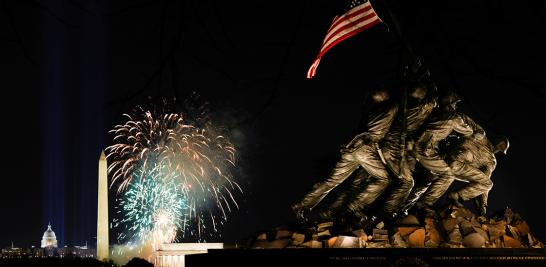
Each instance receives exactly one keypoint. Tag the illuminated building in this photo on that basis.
(49, 240)
(173, 255)
(13, 252)
(76, 252)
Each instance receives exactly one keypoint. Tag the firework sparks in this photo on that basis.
(150, 208)
(172, 176)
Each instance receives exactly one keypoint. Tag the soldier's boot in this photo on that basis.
(327, 214)
(425, 209)
(300, 212)
(481, 206)
(367, 224)
(454, 198)
(483, 210)
(398, 215)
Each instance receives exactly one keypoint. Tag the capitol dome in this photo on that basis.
(49, 239)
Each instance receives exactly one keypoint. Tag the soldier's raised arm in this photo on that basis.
(479, 132)
(461, 126)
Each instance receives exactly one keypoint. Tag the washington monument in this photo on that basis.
(102, 215)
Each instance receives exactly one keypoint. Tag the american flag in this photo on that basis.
(356, 17)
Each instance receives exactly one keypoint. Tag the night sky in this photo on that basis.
(70, 68)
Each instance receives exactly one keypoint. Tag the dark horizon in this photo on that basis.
(72, 68)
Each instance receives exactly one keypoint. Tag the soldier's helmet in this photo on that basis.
(501, 145)
(450, 100)
(419, 91)
(379, 94)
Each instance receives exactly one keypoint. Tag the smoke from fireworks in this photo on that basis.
(172, 176)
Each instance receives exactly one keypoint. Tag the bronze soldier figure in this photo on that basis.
(473, 160)
(362, 151)
(423, 102)
(427, 151)
(423, 99)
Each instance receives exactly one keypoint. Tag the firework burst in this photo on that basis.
(150, 209)
(172, 176)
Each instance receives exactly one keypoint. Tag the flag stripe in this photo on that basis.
(313, 69)
(349, 26)
(351, 34)
(352, 13)
(356, 9)
(353, 21)
(332, 25)
(345, 21)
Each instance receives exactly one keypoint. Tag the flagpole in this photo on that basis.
(404, 105)
(399, 33)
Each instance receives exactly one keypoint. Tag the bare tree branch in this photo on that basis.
(81, 7)
(129, 8)
(252, 120)
(163, 62)
(18, 38)
(48, 10)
